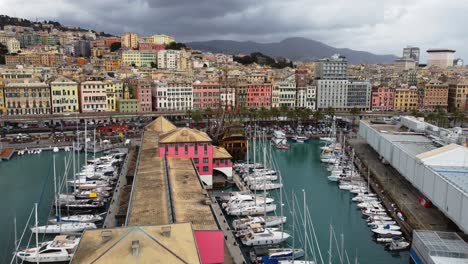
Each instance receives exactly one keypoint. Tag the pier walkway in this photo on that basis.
(113, 209)
(396, 190)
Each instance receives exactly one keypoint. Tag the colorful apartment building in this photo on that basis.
(194, 144)
(147, 46)
(93, 96)
(172, 96)
(258, 95)
(127, 105)
(458, 95)
(139, 58)
(382, 98)
(434, 95)
(206, 95)
(142, 92)
(45, 59)
(64, 95)
(112, 62)
(129, 40)
(406, 99)
(111, 97)
(28, 97)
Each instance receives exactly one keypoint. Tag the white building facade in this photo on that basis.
(172, 96)
(168, 59)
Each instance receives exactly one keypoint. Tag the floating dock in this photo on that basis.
(6, 153)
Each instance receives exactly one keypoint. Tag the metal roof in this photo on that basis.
(413, 148)
(446, 244)
(456, 175)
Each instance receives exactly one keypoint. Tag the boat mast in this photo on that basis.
(74, 168)
(330, 246)
(55, 190)
(16, 240)
(255, 159)
(342, 248)
(294, 224)
(37, 232)
(264, 182)
(85, 142)
(305, 225)
(66, 182)
(94, 151)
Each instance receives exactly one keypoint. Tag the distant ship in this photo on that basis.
(234, 141)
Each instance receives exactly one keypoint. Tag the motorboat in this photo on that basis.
(85, 218)
(398, 244)
(386, 232)
(282, 146)
(327, 139)
(252, 209)
(379, 218)
(63, 228)
(258, 254)
(381, 222)
(260, 178)
(228, 196)
(363, 198)
(373, 212)
(249, 200)
(369, 204)
(266, 185)
(300, 139)
(267, 221)
(387, 226)
(268, 237)
(61, 249)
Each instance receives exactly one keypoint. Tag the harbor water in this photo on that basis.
(25, 180)
(301, 169)
(28, 179)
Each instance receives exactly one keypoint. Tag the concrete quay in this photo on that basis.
(396, 193)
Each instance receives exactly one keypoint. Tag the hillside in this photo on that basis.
(297, 49)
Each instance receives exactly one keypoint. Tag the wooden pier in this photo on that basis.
(6, 153)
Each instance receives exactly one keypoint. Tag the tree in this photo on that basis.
(208, 113)
(3, 52)
(417, 113)
(189, 114)
(263, 113)
(196, 117)
(275, 112)
(284, 110)
(330, 111)
(115, 46)
(153, 65)
(252, 114)
(175, 46)
(458, 117)
(354, 112)
(305, 114)
(318, 115)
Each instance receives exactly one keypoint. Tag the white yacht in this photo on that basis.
(63, 228)
(266, 185)
(383, 231)
(252, 209)
(268, 237)
(267, 221)
(387, 226)
(248, 201)
(86, 218)
(60, 249)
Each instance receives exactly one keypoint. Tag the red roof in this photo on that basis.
(210, 245)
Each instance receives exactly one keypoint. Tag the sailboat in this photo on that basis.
(60, 249)
(267, 221)
(85, 218)
(63, 228)
(269, 237)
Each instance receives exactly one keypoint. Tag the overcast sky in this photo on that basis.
(378, 26)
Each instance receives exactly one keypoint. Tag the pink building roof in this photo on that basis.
(210, 245)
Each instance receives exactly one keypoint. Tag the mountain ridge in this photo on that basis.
(295, 48)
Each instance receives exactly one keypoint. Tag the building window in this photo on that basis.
(205, 168)
(205, 160)
(195, 160)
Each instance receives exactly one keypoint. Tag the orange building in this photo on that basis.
(434, 95)
(458, 95)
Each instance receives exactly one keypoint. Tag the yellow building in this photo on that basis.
(406, 99)
(64, 94)
(111, 97)
(112, 62)
(162, 39)
(458, 95)
(29, 97)
(129, 40)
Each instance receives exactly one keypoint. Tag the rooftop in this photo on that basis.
(156, 244)
(149, 205)
(440, 50)
(160, 125)
(221, 153)
(187, 196)
(182, 135)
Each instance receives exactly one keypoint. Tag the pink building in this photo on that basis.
(93, 96)
(150, 46)
(259, 95)
(193, 144)
(206, 95)
(382, 98)
(142, 92)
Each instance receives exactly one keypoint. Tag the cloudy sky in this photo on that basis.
(379, 26)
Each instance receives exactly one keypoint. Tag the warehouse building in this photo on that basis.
(434, 165)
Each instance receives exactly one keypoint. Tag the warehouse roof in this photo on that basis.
(221, 153)
(173, 243)
(410, 138)
(160, 125)
(458, 176)
(414, 149)
(183, 135)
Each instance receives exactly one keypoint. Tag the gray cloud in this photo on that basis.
(380, 26)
